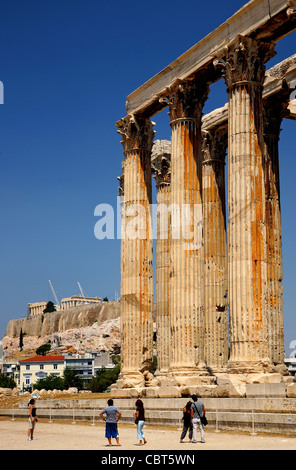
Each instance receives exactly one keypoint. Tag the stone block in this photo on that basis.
(261, 390)
(150, 392)
(291, 390)
(229, 390)
(167, 381)
(169, 392)
(125, 393)
(266, 378)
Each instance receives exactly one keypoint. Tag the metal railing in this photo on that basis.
(251, 421)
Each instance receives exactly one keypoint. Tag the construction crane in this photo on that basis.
(81, 291)
(54, 294)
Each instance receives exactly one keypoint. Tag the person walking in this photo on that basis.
(140, 421)
(187, 422)
(197, 411)
(112, 417)
(32, 418)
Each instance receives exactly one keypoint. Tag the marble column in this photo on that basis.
(214, 147)
(186, 288)
(244, 75)
(275, 109)
(161, 169)
(136, 299)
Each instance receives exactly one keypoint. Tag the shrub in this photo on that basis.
(6, 382)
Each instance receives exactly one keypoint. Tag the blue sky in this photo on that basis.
(67, 67)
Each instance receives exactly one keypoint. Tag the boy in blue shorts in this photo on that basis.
(112, 417)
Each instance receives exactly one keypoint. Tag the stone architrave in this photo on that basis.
(214, 147)
(186, 102)
(275, 109)
(244, 76)
(161, 169)
(136, 299)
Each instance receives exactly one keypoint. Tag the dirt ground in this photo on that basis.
(89, 436)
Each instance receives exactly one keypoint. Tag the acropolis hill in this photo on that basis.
(79, 329)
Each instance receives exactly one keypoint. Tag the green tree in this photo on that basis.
(50, 382)
(6, 382)
(116, 359)
(71, 378)
(43, 349)
(103, 379)
(21, 342)
(49, 307)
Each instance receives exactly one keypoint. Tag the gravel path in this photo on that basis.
(62, 436)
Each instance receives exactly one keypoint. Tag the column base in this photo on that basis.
(130, 379)
(192, 376)
(250, 367)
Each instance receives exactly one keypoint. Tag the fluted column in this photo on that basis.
(136, 299)
(215, 248)
(244, 75)
(161, 168)
(275, 109)
(186, 287)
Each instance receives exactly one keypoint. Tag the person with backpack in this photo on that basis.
(198, 418)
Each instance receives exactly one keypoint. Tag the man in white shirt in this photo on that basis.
(197, 410)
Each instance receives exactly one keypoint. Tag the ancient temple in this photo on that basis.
(219, 298)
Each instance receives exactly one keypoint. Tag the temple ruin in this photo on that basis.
(37, 308)
(219, 298)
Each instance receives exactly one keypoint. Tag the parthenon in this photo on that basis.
(37, 308)
(219, 296)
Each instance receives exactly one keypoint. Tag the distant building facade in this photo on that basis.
(38, 367)
(290, 362)
(12, 369)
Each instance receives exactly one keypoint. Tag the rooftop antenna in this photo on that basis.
(54, 294)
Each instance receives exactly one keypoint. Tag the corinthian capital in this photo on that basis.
(244, 61)
(187, 99)
(137, 133)
(214, 145)
(161, 162)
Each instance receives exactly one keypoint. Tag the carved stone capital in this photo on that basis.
(137, 133)
(214, 146)
(244, 61)
(121, 180)
(187, 99)
(161, 162)
(121, 185)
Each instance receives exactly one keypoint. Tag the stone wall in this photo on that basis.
(275, 415)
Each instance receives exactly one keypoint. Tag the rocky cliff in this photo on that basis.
(77, 330)
(76, 317)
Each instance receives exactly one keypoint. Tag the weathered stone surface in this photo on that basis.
(254, 18)
(291, 390)
(136, 301)
(265, 378)
(276, 390)
(7, 392)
